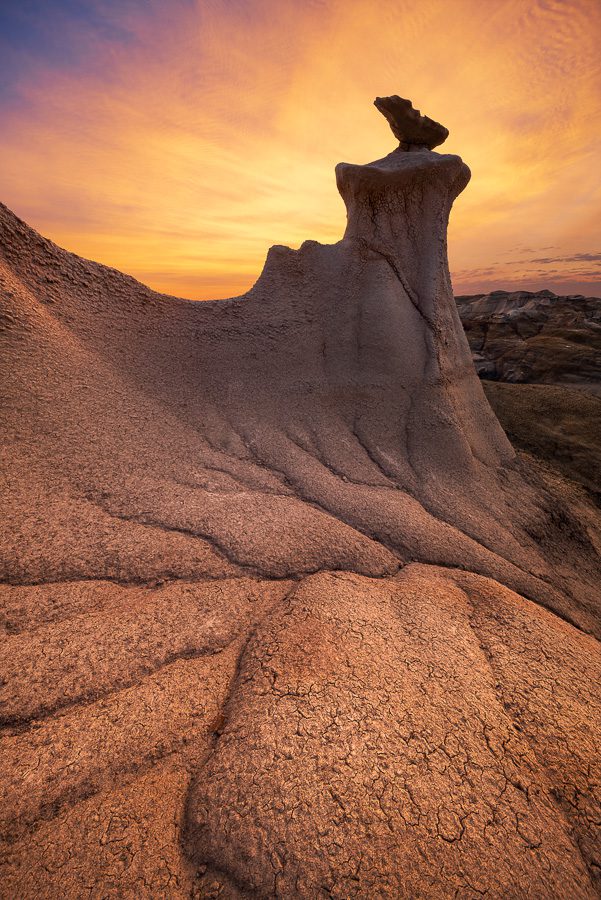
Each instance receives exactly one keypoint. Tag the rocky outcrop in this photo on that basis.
(539, 356)
(285, 614)
(534, 337)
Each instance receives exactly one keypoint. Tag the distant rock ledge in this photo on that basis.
(539, 337)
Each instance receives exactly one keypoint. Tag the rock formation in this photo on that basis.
(539, 356)
(535, 337)
(409, 127)
(285, 614)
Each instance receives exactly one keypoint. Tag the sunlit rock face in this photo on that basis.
(398, 209)
(285, 614)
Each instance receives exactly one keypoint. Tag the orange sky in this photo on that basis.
(177, 141)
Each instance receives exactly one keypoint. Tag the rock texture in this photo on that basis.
(535, 337)
(540, 358)
(285, 615)
(409, 127)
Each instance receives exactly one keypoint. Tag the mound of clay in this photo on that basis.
(285, 615)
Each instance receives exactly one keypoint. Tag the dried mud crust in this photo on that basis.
(402, 738)
(426, 734)
(95, 775)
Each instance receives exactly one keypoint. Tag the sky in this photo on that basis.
(177, 140)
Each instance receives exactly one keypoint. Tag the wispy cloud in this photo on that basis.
(577, 257)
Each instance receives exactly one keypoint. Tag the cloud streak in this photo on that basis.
(577, 257)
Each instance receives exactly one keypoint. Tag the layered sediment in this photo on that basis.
(274, 561)
(535, 338)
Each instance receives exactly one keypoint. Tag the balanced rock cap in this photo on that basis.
(408, 125)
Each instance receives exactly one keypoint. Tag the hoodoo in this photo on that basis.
(273, 561)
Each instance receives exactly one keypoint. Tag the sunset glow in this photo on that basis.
(178, 141)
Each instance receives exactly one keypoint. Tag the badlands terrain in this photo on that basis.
(285, 613)
(540, 357)
(535, 337)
